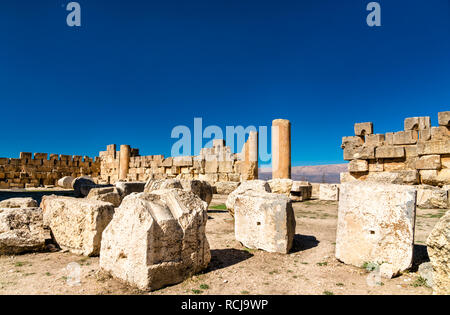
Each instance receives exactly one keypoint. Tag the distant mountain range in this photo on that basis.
(314, 174)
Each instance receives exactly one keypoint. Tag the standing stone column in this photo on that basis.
(124, 161)
(253, 155)
(281, 148)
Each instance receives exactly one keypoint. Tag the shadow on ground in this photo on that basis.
(303, 242)
(420, 255)
(222, 258)
(36, 195)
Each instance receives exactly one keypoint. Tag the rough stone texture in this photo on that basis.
(200, 188)
(21, 231)
(264, 221)
(26, 202)
(65, 182)
(329, 192)
(444, 118)
(82, 185)
(362, 129)
(127, 188)
(157, 184)
(426, 272)
(358, 166)
(106, 194)
(77, 224)
(156, 239)
(429, 162)
(432, 198)
(438, 246)
(376, 224)
(281, 186)
(252, 185)
(226, 188)
(301, 191)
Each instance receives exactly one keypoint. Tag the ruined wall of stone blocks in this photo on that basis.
(42, 169)
(419, 154)
(212, 164)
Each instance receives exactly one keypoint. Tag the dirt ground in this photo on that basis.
(310, 268)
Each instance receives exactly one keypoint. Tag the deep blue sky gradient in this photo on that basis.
(135, 69)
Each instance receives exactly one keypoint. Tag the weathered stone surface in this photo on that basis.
(127, 188)
(281, 186)
(82, 185)
(200, 188)
(409, 177)
(389, 152)
(226, 188)
(264, 221)
(376, 224)
(444, 118)
(426, 272)
(156, 239)
(329, 192)
(405, 137)
(352, 152)
(362, 129)
(65, 182)
(429, 197)
(374, 140)
(433, 147)
(21, 231)
(26, 202)
(429, 162)
(157, 184)
(435, 177)
(77, 224)
(252, 185)
(106, 194)
(417, 123)
(438, 246)
(354, 140)
(358, 166)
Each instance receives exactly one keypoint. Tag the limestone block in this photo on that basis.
(65, 182)
(363, 129)
(157, 184)
(200, 188)
(251, 185)
(445, 161)
(40, 156)
(440, 133)
(226, 188)
(438, 247)
(376, 224)
(410, 177)
(424, 135)
(106, 194)
(21, 231)
(417, 123)
(429, 197)
(375, 140)
(167, 162)
(406, 137)
(156, 239)
(77, 224)
(359, 152)
(225, 167)
(183, 161)
(264, 221)
(211, 167)
(435, 178)
(329, 192)
(353, 141)
(429, 162)
(433, 147)
(376, 166)
(26, 155)
(389, 139)
(281, 186)
(393, 165)
(26, 202)
(411, 151)
(358, 166)
(389, 152)
(444, 118)
(301, 191)
(82, 185)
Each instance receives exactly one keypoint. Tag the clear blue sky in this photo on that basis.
(135, 69)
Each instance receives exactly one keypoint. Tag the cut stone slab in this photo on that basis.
(65, 182)
(19, 203)
(358, 166)
(429, 197)
(438, 247)
(82, 185)
(22, 231)
(264, 221)
(77, 224)
(429, 162)
(301, 191)
(200, 188)
(127, 188)
(329, 192)
(376, 225)
(106, 194)
(156, 239)
(281, 186)
(226, 188)
(157, 184)
(251, 185)
(444, 118)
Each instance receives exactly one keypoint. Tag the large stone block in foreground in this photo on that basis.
(21, 231)
(376, 224)
(156, 239)
(438, 247)
(251, 185)
(264, 221)
(77, 224)
(26, 202)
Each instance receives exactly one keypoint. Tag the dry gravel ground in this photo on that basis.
(309, 269)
